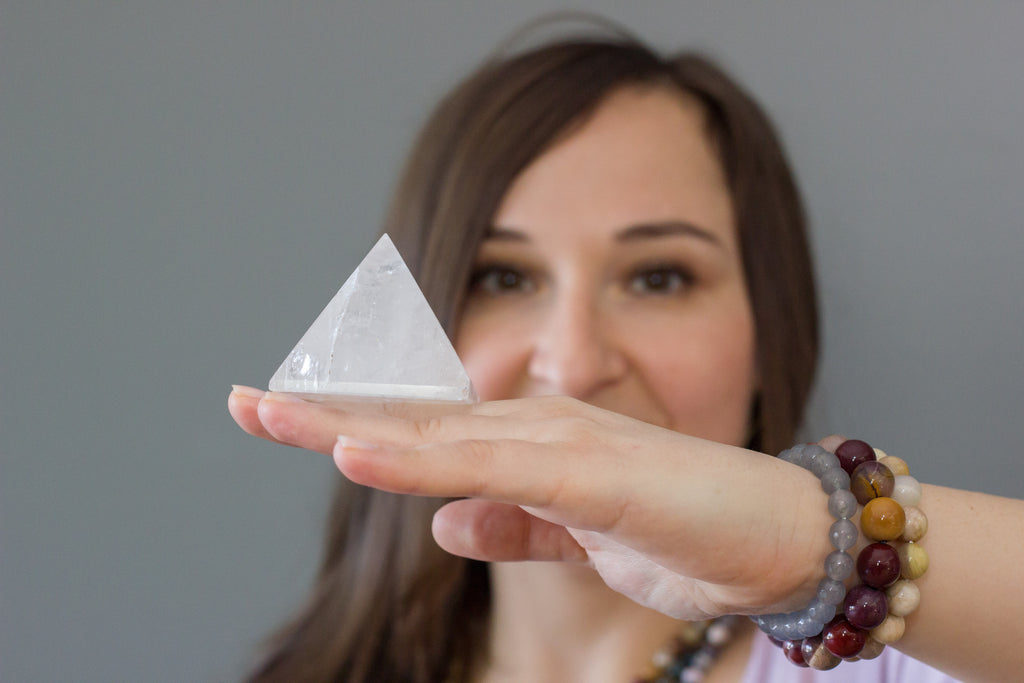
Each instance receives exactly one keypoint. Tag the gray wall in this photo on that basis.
(184, 184)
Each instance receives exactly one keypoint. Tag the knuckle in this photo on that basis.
(480, 453)
(573, 428)
(429, 429)
(561, 406)
(480, 450)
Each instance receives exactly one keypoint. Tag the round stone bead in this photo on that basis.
(831, 591)
(842, 504)
(822, 462)
(820, 611)
(913, 561)
(872, 648)
(702, 661)
(692, 675)
(807, 626)
(843, 534)
(865, 607)
(890, 630)
(907, 490)
(904, 597)
(839, 565)
(817, 655)
(853, 452)
(692, 636)
(661, 659)
(916, 525)
(836, 479)
(796, 456)
(718, 634)
(898, 466)
(807, 453)
(878, 565)
(882, 519)
(843, 639)
(871, 480)
(792, 651)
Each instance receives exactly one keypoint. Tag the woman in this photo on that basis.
(616, 246)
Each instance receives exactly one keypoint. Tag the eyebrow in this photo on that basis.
(644, 231)
(499, 234)
(632, 233)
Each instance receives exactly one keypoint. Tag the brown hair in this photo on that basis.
(388, 605)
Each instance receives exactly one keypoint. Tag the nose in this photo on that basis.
(576, 350)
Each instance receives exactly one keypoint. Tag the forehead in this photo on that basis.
(644, 155)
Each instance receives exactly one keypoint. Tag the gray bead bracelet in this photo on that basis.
(842, 504)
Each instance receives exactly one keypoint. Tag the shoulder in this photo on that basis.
(767, 665)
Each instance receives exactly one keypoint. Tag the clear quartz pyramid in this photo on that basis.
(377, 338)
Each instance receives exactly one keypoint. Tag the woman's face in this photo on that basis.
(612, 274)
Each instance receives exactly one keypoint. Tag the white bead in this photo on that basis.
(661, 658)
(718, 634)
(904, 597)
(916, 526)
(692, 676)
(890, 630)
(907, 490)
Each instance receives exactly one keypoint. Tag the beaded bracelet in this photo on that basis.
(872, 612)
(842, 504)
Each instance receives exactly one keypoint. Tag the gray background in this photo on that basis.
(184, 184)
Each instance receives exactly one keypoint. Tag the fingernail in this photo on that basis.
(356, 444)
(282, 397)
(246, 392)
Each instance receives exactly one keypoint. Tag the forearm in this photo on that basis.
(971, 619)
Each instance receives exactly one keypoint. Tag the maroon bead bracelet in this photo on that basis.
(872, 614)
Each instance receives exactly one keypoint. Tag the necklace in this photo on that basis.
(686, 659)
(691, 653)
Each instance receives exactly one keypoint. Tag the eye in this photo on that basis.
(663, 279)
(499, 280)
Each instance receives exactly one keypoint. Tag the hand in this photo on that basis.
(688, 527)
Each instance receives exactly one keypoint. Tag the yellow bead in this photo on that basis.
(882, 519)
(913, 561)
(897, 465)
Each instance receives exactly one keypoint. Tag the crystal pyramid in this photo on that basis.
(377, 338)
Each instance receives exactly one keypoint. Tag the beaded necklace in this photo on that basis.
(691, 653)
(687, 658)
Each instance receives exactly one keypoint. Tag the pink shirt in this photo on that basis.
(767, 665)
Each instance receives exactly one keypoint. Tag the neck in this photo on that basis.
(558, 622)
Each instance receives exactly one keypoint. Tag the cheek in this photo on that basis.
(706, 376)
(494, 354)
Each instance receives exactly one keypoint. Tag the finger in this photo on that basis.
(549, 479)
(495, 532)
(455, 469)
(295, 422)
(544, 407)
(316, 425)
(242, 404)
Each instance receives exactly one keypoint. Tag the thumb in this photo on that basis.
(498, 532)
